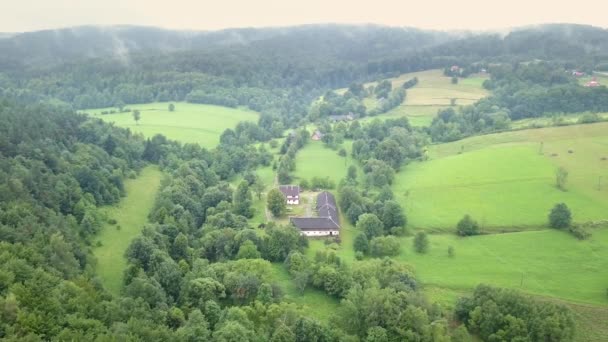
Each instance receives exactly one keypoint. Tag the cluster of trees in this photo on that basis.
(384, 146)
(506, 315)
(380, 301)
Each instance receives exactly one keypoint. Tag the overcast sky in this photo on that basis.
(30, 15)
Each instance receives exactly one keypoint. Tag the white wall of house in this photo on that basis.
(320, 232)
(293, 201)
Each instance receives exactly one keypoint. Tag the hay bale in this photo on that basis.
(570, 151)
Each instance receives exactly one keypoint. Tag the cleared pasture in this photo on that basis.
(188, 123)
(507, 180)
(131, 215)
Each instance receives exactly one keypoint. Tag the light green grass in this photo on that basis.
(549, 263)
(317, 160)
(314, 303)
(189, 123)
(504, 182)
(432, 93)
(131, 214)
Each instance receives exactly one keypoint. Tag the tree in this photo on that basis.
(451, 251)
(248, 250)
(454, 80)
(301, 280)
(242, 200)
(370, 225)
(352, 173)
(276, 202)
(136, 116)
(361, 243)
(258, 188)
(560, 216)
(196, 328)
(421, 242)
(382, 246)
(171, 107)
(467, 226)
(392, 215)
(561, 177)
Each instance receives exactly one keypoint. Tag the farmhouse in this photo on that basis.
(326, 224)
(317, 135)
(291, 193)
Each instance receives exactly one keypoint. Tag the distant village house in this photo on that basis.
(317, 135)
(593, 83)
(327, 222)
(291, 193)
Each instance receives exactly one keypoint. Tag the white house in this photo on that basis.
(291, 193)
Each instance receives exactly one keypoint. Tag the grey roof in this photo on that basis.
(327, 215)
(314, 223)
(326, 206)
(290, 190)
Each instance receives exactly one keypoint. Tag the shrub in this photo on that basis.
(421, 242)
(560, 216)
(450, 251)
(112, 221)
(580, 232)
(467, 226)
(359, 256)
(382, 246)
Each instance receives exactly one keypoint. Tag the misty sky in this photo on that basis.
(29, 15)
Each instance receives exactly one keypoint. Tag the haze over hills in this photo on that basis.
(66, 44)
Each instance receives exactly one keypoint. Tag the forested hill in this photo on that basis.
(63, 45)
(277, 71)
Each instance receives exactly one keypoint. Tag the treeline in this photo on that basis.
(520, 90)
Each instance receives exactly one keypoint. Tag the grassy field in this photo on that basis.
(131, 214)
(314, 303)
(189, 123)
(316, 160)
(549, 263)
(432, 93)
(505, 180)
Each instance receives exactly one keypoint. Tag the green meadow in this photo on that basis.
(507, 180)
(189, 123)
(317, 160)
(548, 263)
(314, 303)
(433, 92)
(131, 215)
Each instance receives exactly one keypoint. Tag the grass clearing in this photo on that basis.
(433, 92)
(131, 214)
(314, 303)
(548, 263)
(504, 182)
(189, 123)
(317, 160)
